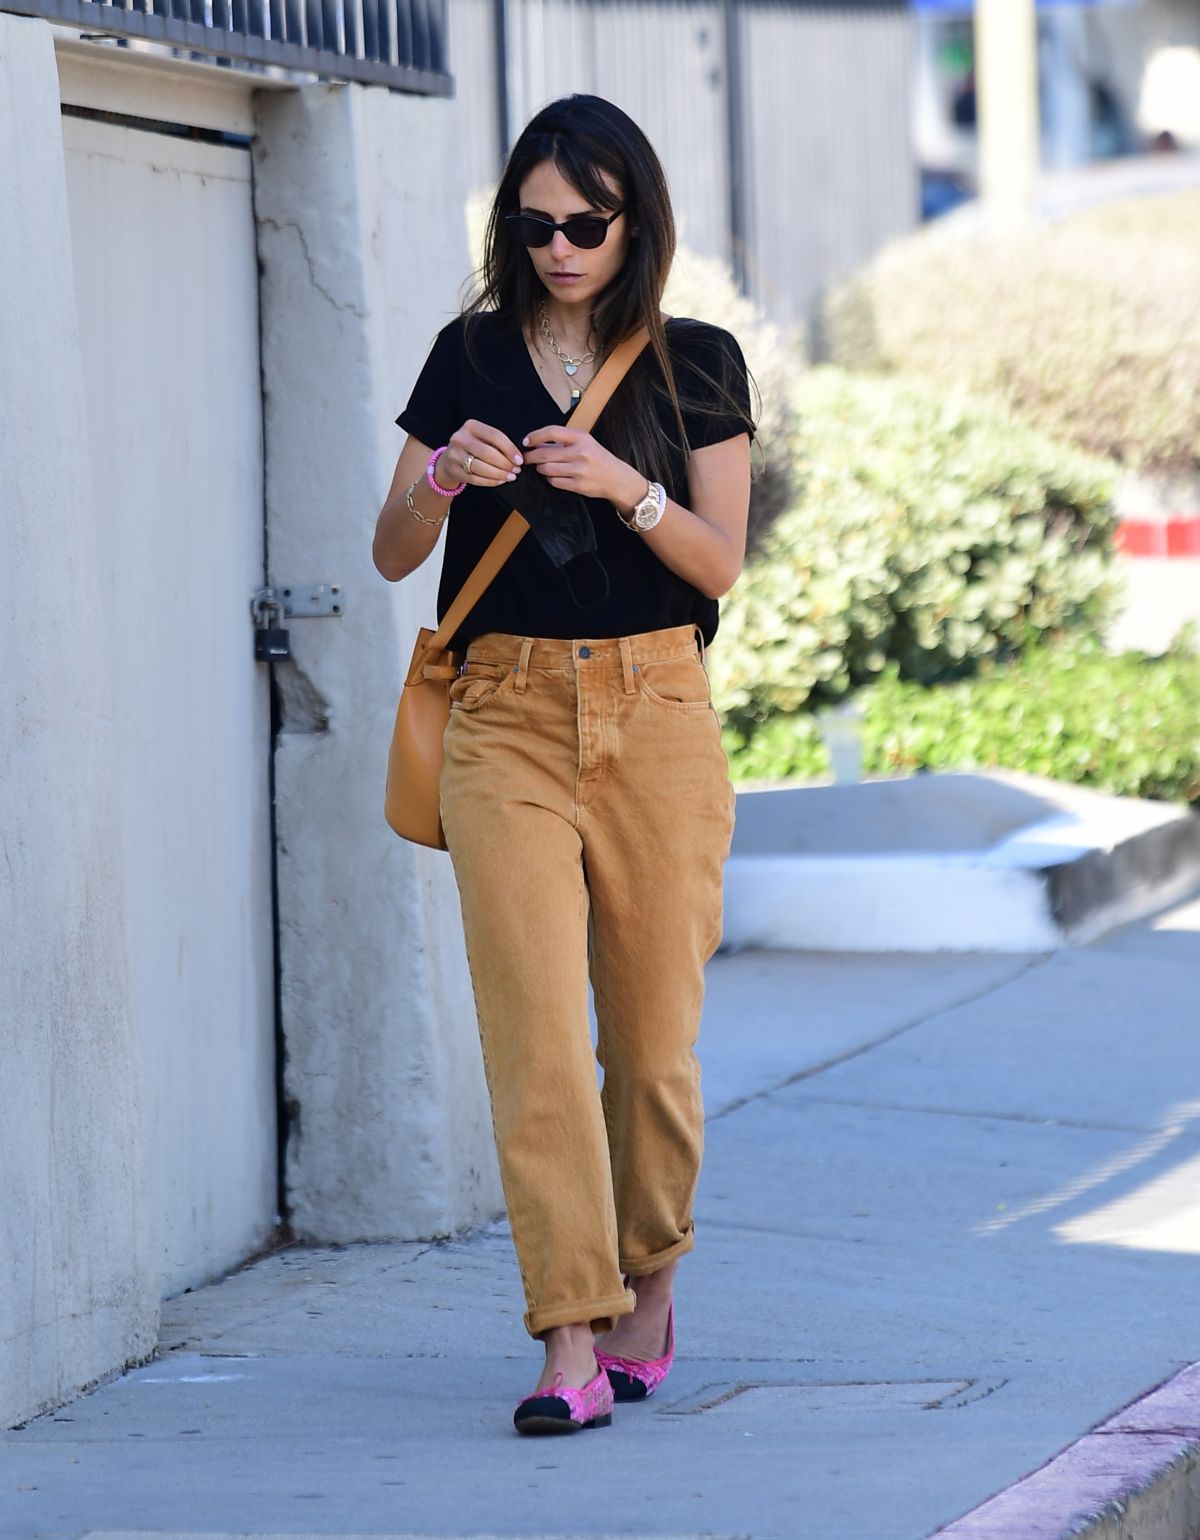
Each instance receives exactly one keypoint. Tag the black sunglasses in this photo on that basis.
(582, 230)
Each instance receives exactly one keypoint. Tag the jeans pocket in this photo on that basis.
(479, 684)
(681, 683)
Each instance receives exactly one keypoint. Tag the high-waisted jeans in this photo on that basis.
(588, 812)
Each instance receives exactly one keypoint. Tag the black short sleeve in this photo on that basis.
(433, 412)
(719, 354)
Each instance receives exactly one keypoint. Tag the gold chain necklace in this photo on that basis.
(569, 361)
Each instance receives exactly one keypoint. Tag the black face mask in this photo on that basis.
(561, 524)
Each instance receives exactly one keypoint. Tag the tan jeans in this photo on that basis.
(588, 812)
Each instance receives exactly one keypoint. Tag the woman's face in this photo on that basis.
(547, 193)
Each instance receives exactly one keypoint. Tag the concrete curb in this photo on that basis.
(1012, 864)
(1135, 1476)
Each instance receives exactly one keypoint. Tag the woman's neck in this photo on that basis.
(571, 325)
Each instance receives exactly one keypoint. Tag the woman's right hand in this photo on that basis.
(495, 459)
(402, 542)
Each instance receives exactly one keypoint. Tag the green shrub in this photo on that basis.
(705, 288)
(931, 532)
(785, 748)
(1127, 724)
(1088, 328)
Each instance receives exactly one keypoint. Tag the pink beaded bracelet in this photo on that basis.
(429, 476)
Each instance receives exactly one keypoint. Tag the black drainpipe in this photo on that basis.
(500, 18)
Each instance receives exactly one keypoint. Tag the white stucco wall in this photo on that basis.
(359, 202)
(78, 1283)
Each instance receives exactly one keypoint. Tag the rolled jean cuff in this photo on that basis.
(600, 1314)
(638, 1267)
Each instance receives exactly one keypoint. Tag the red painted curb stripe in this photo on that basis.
(1159, 537)
(1118, 1458)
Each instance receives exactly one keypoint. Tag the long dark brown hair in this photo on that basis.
(584, 136)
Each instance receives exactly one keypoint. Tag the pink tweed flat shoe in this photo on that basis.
(565, 1409)
(632, 1380)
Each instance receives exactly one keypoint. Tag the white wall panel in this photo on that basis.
(476, 89)
(830, 164)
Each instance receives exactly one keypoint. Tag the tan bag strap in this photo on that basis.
(516, 526)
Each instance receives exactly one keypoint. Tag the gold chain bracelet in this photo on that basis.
(412, 507)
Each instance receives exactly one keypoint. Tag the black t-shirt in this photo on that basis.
(530, 596)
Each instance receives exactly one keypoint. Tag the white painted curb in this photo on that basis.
(1062, 878)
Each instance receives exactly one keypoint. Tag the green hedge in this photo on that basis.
(1127, 724)
(1089, 327)
(931, 532)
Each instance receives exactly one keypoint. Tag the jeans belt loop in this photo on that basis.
(627, 666)
(523, 665)
(700, 643)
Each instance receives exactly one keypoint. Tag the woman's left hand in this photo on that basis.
(572, 459)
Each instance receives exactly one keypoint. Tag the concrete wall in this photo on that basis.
(78, 1276)
(359, 201)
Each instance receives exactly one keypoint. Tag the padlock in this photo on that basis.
(272, 642)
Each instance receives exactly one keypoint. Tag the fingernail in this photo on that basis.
(512, 476)
(525, 441)
(520, 459)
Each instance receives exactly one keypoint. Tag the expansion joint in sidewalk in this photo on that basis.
(863, 1049)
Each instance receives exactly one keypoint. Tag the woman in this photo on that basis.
(585, 797)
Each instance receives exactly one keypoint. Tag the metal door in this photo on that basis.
(166, 286)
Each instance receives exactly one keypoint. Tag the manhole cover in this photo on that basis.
(769, 1400)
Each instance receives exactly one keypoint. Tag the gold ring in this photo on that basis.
(467, 465)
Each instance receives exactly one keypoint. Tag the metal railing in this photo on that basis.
(401, 44)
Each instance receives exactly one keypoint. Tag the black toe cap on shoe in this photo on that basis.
(625, 1387)
(534, 1415)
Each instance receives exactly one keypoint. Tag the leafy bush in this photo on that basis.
(785, 748)
(706, 289)
(931, 532)
(1089, 328)
(1127, 724)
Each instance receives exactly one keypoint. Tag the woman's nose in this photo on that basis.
(560, 246)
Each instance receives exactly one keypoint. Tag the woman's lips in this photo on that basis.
(565, 277)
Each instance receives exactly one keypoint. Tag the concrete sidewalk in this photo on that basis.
(949, 1220)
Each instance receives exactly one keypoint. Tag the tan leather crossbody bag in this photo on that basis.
(412, 803)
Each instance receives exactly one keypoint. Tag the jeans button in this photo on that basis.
(585, 652)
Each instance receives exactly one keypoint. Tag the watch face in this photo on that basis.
(646, 511)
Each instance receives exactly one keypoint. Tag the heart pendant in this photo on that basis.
(571, 368)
